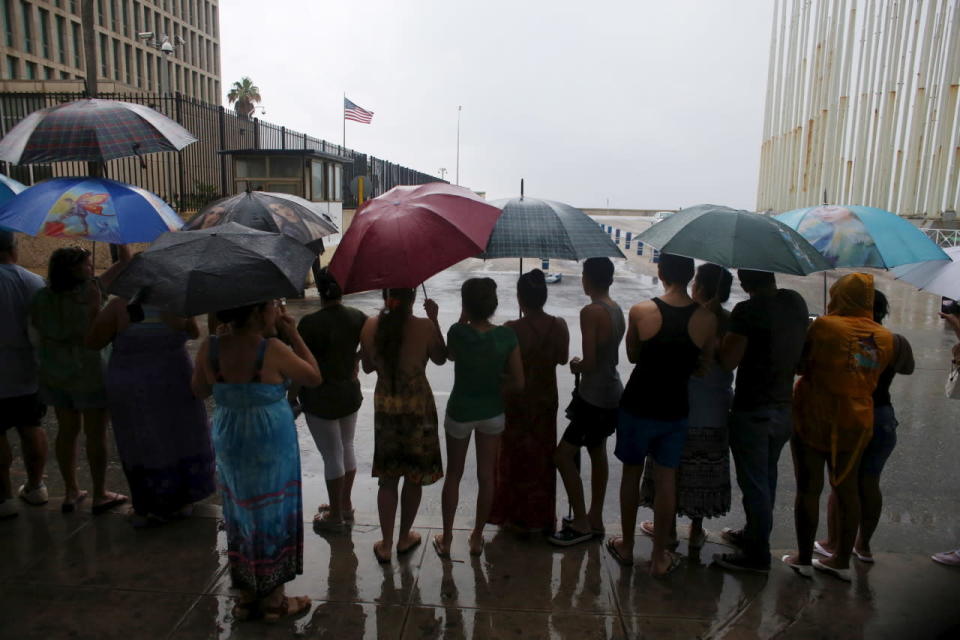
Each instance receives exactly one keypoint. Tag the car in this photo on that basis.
(661, 215)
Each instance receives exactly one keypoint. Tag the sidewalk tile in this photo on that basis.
(32, 535)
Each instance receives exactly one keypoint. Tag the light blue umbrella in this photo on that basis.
(9, 188)
(856, 236)
(90, 209)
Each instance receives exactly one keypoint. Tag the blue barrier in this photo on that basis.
(618, 236)
(639, 248)
(656, 255)
(629, 236)
(544, 264)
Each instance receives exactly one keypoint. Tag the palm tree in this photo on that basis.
(244, 94)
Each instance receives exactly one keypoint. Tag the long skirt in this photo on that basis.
(161, 429)
(258, 464)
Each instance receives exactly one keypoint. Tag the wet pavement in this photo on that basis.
(78, 576)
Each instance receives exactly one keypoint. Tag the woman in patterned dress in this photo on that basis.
(397, 345)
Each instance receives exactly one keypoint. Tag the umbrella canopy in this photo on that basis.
(939, 277)
(410, 233)
(9, 188)
(735, 239)
(855, 236)
(193, 272)
(533, 228)
(90, 209)
(275, 212)
(91, 130)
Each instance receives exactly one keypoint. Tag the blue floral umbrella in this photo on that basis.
(9, 188)
(857, 236)
(89, 209)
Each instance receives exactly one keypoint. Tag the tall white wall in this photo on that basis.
(862, 103)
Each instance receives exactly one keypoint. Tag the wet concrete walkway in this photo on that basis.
(75, 576)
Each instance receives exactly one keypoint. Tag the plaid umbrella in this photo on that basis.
(91, 130)
(531, 228)
(290, 215)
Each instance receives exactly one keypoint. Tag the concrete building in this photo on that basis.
(42, 43)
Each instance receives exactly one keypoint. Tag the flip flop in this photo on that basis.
(820, 550)
(410, 547)
(438, 547)
(840, 574)
(675, 562)
(70, 507)
(804, 570)
(612, 548)
(863, 558)
(104, 507)
(381, 559)
(272, 614)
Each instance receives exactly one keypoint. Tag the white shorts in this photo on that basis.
(490, 426)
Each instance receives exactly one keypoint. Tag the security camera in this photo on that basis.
(145, 35)
(181, 40)
(166, 47)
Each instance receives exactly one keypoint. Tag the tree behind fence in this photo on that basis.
(198, 174)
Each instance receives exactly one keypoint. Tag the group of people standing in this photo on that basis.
(675, 421)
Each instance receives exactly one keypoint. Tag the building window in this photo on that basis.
(64, 75)
(31, 70)
(77, 39)
(127, 63)
(100, 12)
(61, 40)
(26, 10)
(116, 59)
(12, 65)
(136, 17)
(49, 73)
(125, 16)
(103, 56)
(45, 34)
(7, 9)
(139, 55)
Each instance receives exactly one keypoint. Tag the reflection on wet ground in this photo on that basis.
(82, 577)
(77, 576)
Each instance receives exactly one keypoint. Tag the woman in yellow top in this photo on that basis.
(844, 355)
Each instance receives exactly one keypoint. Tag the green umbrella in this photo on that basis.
(735, 239)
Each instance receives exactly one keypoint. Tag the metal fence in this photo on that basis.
(199, 174)
(944, 237)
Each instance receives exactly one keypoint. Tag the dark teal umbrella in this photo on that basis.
(735, 239)
(533, 228)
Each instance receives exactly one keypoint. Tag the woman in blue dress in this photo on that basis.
(257, 454)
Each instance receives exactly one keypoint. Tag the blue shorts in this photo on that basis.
(882, 443)
(662, 439)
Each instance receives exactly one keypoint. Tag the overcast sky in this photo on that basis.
(647, 103)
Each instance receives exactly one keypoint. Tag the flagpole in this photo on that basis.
(459, 107)
(343, 114)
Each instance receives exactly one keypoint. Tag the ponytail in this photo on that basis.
(397, 307)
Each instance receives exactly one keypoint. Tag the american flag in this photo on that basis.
(355, 113)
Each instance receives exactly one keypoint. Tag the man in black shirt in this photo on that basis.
(764, 344)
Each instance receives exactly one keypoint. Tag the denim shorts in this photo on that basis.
(882, 443)
(662, 439)
(489, 426)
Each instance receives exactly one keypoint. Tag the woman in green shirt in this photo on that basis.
(487, 361)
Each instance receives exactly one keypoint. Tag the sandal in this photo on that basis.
(612, 548)
(113, 500)
(410, 547)
(438, 547)
(323, 522)
(71, 505)
(382, 559)
(348, 514)
(568, 536)
(675, 562)
(292, 605)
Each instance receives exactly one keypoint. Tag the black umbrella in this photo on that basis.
(276, 212)
(194, 272)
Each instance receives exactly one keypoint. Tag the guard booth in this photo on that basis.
(307, 173)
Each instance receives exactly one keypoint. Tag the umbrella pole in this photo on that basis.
(521, 259)
(824, 293)
(423, 286)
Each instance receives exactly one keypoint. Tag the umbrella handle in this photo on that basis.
(424, 287)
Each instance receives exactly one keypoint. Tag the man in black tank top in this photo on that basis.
(667, 338)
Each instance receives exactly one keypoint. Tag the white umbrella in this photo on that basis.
(939, 276)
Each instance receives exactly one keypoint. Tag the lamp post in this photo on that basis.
(443, 172)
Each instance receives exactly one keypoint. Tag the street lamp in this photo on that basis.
(442, 172)
(167, 48)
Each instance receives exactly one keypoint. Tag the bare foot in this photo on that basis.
(289, 606)
(834, 563)
(476, 544)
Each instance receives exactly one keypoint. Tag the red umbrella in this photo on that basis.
(408, 234)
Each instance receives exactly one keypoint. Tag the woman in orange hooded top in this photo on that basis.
(844, 355)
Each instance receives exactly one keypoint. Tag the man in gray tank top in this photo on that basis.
(594, 409)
